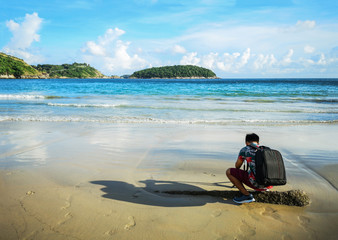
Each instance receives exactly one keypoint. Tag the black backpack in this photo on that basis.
(270, 170)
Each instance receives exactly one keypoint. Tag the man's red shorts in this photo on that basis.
(243, 177)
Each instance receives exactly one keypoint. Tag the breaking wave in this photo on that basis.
(141, 120)
(26, 97)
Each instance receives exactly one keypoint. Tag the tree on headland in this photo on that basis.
(18, 71)
(75, 70)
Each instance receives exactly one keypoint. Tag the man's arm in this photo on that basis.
(239, 162)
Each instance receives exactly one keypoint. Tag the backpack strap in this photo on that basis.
(256, 147)
(246, 166)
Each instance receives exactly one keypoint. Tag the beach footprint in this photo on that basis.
(305, 222)
(66, 218)
(110, 213)
(211, 174)
(286, 237)
(131, 223)
(216, 213)
(111, 232)
(270, 212)
(246, 231)
(67, 204)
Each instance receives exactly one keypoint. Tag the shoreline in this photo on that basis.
(196, 78)
(45, 77)
(99, 181)
(106, 77)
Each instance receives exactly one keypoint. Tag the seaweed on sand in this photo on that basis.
(291, 198)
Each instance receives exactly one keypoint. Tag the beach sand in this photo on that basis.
(104, 181)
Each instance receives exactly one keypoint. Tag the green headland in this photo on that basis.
(12, 67)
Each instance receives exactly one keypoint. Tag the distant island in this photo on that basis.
(12, 67)
(177, 72)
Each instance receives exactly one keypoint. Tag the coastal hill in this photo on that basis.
(177, 71)
(12, 67)
(75, 70)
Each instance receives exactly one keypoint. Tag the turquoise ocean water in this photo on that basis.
(221, 101)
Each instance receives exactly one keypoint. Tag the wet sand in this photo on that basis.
(104, 181)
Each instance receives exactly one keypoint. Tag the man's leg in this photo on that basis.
(237, 183)
(237, 177)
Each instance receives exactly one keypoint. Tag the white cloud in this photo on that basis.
(243, 49)
(322, 60)
(245, 58)
(306, 25)
(287, 58)
(233, 62)
(269, 38)
(309, 49)
(101, 48)
(264, 61)
(110, 36)
(110, 54)
(258, 64)
(95, 49)
(209, 60)
(24, 34)
(299, 28)
(264, 50)
(179, 49)
(227, 62)
(190, 59)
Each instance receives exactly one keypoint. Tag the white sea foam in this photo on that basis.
(140, 120)
(197, 108)
(83, 105)
(21, 96)
(26, 96)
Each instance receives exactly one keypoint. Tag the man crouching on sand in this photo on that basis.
(238, 176)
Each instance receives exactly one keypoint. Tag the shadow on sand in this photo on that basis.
(157, 193)
(178, 194)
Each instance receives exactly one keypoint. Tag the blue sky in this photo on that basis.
(234, 38)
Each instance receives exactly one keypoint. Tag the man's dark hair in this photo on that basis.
(252, 137)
